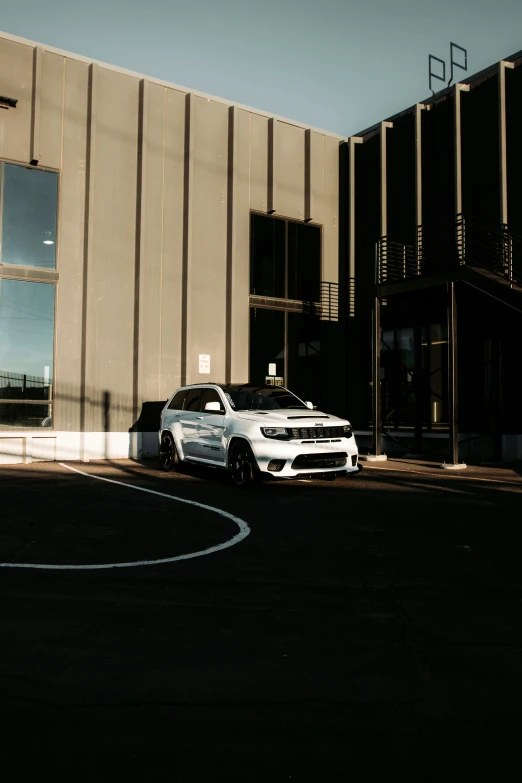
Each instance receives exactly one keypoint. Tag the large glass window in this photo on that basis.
(26, 353)
(267, 344)
(304, 262)
(414, 376)
(285, 344)
(267, 243)
(285, 259)
(29, 208)
(304, 355)
(435, 361)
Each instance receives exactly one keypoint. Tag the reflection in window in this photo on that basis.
(29, 204)
(437, 358)
(304, 356)
(267, 343)
(211, 395)
(26, 353)
(193, 400)
(304, 262)
(413, 380)
(285, 259)
(267, 243)
(177, 401)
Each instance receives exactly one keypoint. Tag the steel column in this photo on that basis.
(457, 141)
(502, 138)
(376, 369)
(418, 180)
(418, 385)
(495, 397)
(351, 222)
(377, 377)
(453, 399)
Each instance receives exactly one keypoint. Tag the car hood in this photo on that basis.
(292, 418)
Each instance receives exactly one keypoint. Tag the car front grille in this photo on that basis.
(335, 459)
(319, 433)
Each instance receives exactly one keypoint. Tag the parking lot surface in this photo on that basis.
(364, 629)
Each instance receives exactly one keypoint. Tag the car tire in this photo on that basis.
(168, 455)
(241, 464)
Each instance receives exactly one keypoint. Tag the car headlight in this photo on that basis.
(348, 432)
(279, 433)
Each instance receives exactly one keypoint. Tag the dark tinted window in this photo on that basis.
(267, 243)
(29, 204)
(177, 401)
(304, 356)
(285, 259)
(211, 395)
(264, 398)
(304, 262)
(267, 343)
(193, 400)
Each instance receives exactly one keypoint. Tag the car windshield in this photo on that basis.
(261, 398)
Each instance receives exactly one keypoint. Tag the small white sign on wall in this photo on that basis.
(272, 369)
(204, 363)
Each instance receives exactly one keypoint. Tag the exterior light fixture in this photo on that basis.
(8, 103)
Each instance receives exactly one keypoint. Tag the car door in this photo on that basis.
(171, 414)
(189, 421)
(211, 425)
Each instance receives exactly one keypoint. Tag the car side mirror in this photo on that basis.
(213, 406)
(309, 405)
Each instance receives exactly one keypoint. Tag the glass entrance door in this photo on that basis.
(414, 377)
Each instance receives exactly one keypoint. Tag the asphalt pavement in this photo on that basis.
(358, 630)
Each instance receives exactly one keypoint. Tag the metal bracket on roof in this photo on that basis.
(433, 75)
(454, 62)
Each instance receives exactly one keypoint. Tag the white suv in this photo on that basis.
(253, 431)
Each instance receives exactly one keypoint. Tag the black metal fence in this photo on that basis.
(17, 386)
(25, 400)
(492, 249)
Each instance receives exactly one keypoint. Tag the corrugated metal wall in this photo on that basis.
(153, 251)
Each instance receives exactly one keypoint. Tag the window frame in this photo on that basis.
(221, 411)
(33, 274)
(35, 270)
(286, 298)
(171, 406)
(286, 305)
(194, 389)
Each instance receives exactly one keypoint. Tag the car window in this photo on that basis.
(250, 397)
(212, 395)
(193, 400)
(177, 401)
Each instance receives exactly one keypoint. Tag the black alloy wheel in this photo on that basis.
(241, 464)
(168, 455)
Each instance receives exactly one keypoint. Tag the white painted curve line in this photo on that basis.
(244, 531)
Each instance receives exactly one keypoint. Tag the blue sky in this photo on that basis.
(341, 65)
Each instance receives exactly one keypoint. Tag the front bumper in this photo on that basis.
(305, 459)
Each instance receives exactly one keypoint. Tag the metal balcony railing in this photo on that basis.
(490, 248)
(329, 301)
